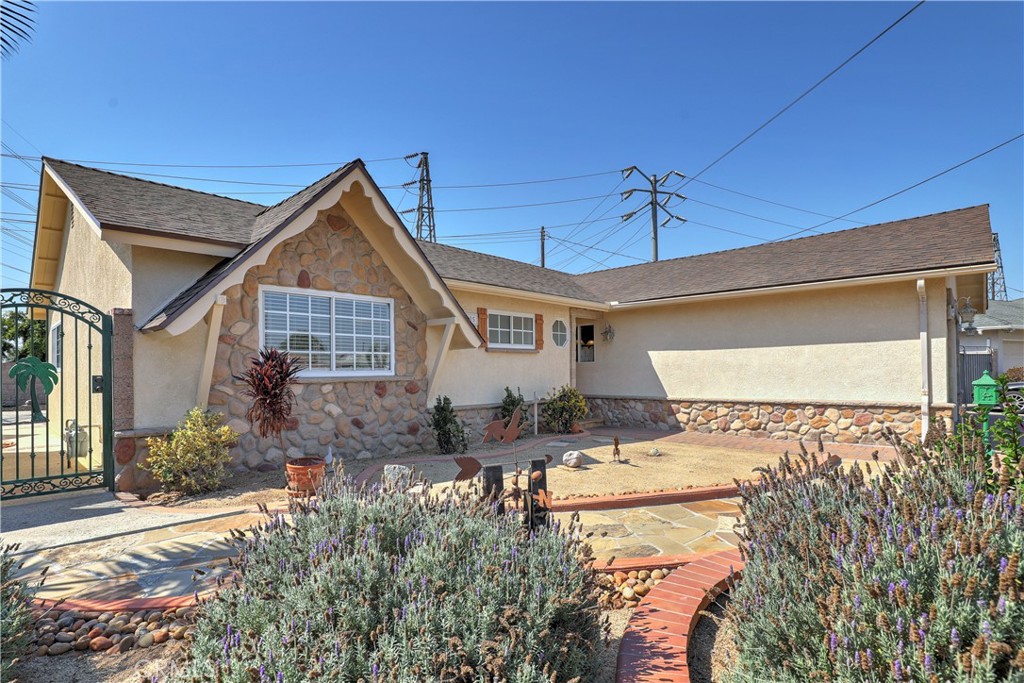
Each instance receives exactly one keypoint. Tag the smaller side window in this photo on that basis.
(57, 346)
(559, 333)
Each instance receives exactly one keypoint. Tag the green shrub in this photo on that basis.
(448, 431)
(565, 407)
(377, 585)
(194, 459)
(15, 614)
(909, 574)
(510, 404)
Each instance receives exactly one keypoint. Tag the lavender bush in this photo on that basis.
(908, 573)
(376, 585)
(15, 614)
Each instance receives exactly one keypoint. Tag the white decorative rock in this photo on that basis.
(572, 459)
(399, 475)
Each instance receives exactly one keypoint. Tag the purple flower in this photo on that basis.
(954, 638)
(833, 642)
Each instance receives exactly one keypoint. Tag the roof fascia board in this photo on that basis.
(480, 288)
(75, 199)
(808, 286)
(301, 221)
(294, 225)
(144, 238)
(390, 218)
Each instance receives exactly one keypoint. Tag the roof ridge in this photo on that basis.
(782, 241)
(153, 182)
(502, 258)
(323, 177)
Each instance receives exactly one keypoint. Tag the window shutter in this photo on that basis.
(538, 336)
(481, 323)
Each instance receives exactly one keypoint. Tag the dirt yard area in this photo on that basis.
(242, 489)
(674, 466)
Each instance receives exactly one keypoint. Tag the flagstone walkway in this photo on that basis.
(662, 530)
(98, 549)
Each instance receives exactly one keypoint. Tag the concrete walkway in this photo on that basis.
(97, 548)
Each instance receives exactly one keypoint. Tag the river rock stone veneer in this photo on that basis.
(792, 421)
(359, 417)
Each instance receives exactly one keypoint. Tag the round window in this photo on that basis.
(560, 333)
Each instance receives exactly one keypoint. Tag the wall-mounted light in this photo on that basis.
(965, 313)
(609, 333)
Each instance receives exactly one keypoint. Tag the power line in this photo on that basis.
(587, 246)
(335, 164)
(523, 206)
(906, 189)
(524, 182)
(769, 201)
(741, 213)
(806, 92)
(20, 270)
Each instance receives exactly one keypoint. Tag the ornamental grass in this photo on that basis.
(377, 585)
(908, 572)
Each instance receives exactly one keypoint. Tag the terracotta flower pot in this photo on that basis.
(304, 475)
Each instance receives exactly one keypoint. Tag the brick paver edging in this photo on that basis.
(654, 645)
(635, 500)
(123, 604)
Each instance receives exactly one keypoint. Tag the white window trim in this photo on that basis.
(313, 373)
(51, 351)
(554, 340)
(495, 345)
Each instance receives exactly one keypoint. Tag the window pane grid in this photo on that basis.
(510, 330)
(329, 333)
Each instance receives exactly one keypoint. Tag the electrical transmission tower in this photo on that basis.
(425, 228)
(655, 190)
(997, 278)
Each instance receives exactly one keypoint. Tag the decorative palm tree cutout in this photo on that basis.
(32, 369)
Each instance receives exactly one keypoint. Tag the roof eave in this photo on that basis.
(980, 268)
(485, 288)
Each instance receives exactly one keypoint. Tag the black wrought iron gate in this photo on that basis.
(55, 392)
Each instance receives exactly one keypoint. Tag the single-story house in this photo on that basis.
(833, 336)
(1001, 334)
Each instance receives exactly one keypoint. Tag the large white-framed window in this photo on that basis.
(507, 330)
(56, 350)
(329, 333)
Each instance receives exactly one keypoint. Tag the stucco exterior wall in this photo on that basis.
(833, 346)
(98, 273)
(166, 368)
(478, 377)
(359, 417)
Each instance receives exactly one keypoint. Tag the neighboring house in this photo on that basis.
(1001, 330)
(834, 335)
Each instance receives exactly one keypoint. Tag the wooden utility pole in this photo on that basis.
(543, 235)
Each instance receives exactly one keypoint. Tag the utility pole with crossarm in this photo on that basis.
(656, 189)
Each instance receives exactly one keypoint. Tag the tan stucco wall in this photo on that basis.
(479, 376)
(98, 273)
(166, 368)
(843, 344)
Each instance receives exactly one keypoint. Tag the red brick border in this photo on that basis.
(653, 648)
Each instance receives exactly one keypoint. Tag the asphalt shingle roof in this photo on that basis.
(1004, 314)
(120, 201)
(472, 266)
(962, 237)
(955, 238)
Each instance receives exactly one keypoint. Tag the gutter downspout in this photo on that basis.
(212, 335)
(922, 298)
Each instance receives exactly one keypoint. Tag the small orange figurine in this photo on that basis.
(616, 455)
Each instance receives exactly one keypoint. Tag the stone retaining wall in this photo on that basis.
(795, 421)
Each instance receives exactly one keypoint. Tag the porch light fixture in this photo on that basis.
(609, 333)
(965, 313)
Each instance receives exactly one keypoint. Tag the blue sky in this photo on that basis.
(515, 92)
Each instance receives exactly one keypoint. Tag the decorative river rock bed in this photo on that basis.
(58, 632)
(626, 589)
